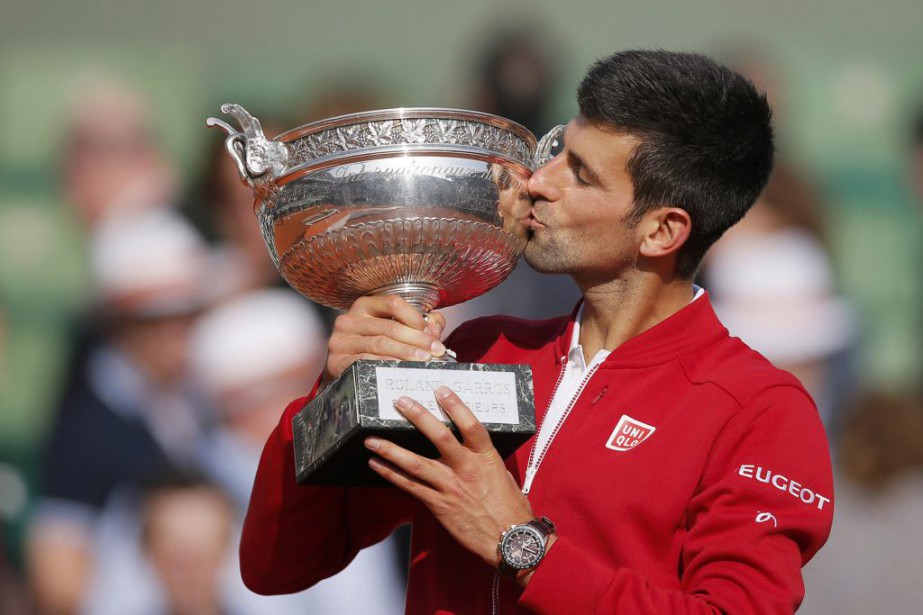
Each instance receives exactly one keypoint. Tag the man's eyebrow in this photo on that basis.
(575, 160)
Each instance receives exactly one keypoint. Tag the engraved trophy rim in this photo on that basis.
(397, 151)
(397, 113)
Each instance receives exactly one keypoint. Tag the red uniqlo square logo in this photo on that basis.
(628, 434)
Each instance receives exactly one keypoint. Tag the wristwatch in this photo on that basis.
(522, 547)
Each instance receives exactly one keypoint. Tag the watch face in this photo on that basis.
(522, 547)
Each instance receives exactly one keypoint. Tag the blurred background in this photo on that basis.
(131, 269)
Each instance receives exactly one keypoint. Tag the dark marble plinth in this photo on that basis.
(329, 432)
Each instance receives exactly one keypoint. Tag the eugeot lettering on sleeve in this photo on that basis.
(783, 483)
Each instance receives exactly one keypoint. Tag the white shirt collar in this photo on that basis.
(575, 353)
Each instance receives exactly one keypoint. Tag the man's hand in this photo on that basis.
(468, 489)
(382, 327)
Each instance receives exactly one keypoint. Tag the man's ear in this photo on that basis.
(666, 230)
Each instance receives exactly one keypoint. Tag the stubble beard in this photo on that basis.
(561, 254)
(547, 255)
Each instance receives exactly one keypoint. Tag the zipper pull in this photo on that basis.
(527, 484)
(600, 396)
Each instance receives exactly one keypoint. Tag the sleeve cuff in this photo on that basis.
(568, 580)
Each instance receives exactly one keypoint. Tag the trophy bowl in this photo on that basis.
(425, 203)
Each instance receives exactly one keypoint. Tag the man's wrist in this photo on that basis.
(522, 579)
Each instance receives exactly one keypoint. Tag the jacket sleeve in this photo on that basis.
(763, 508)
(296, 535)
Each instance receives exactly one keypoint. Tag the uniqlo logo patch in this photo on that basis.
(629, 433)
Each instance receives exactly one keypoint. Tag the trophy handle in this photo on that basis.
(546, 144)
(259, 160)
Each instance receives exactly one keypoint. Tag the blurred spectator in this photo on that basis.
(253, 355)
(187, 535)
(224, 206)
(127, 416)
(517, 78)
(773, 286)
(111, 162)
(111, 168)
(871, 563)
(338, 96)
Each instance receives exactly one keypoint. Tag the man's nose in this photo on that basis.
(543, 184)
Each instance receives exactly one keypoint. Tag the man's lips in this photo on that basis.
(532, 223)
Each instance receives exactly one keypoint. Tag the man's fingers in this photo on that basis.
(435, 430)
(355, 335)
(399, 479)
(435, 324)
(395, 309)
(391, 306)
(413, 466)
(473, 433)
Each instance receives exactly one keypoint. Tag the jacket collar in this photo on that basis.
(691, 328)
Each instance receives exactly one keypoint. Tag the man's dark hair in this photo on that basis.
(706, 142)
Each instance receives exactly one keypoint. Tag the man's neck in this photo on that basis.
(617, 311)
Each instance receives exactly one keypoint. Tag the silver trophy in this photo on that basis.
(429, 204)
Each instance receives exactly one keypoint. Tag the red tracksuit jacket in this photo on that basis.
(690, 476)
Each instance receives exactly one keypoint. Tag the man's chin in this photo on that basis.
(537, 261)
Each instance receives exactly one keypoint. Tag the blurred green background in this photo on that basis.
(848, 75)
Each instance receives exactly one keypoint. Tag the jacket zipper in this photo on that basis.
(534, 462)
(527, 482)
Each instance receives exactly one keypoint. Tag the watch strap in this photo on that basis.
(543, 525)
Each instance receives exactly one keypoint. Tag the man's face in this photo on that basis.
(582, 201)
